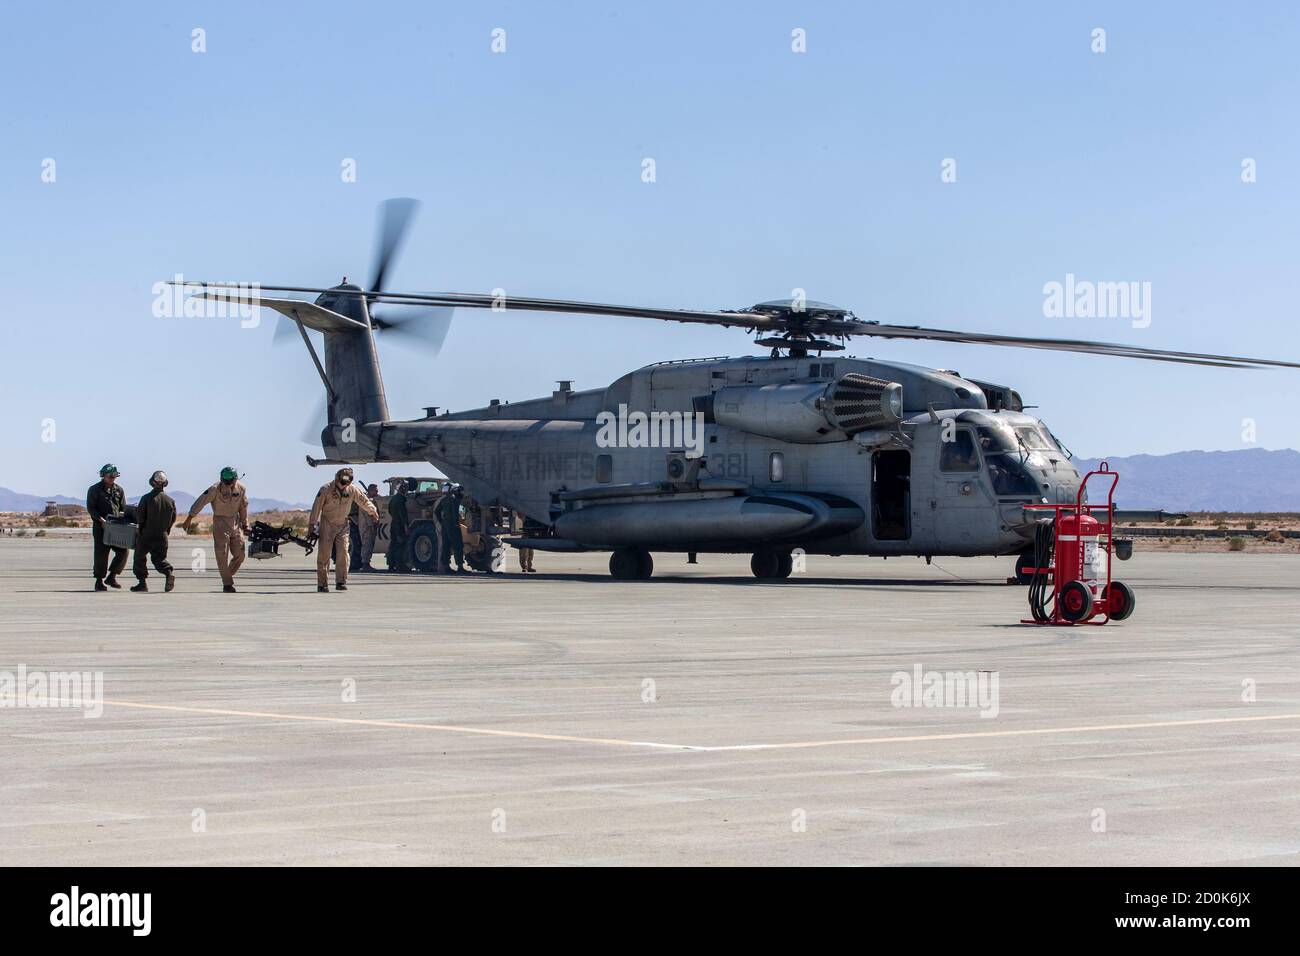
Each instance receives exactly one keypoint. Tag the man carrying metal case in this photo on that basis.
(104, 500)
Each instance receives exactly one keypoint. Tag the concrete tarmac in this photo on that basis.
(702, 717)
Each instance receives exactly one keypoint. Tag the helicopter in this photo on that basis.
(799, 451)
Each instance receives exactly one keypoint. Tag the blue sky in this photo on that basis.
(775, 170)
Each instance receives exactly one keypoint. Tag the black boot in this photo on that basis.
(171, 581)
(99, 584)
(111, 581)
(141, 587)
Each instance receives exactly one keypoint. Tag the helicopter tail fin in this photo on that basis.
(349, 370)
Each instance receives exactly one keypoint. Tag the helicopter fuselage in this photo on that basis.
(747, 454)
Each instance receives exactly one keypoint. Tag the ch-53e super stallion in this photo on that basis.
(801, 448)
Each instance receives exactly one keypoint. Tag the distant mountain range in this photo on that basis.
(16, 501)
(1251, 479)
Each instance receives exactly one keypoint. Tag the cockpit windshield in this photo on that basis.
(1008, 474)
(996, 439)
(1034, 439)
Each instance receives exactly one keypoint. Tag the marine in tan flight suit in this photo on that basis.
(329, 520)
(229, 500)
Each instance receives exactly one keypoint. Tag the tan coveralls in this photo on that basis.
(229, 518)
(525, 554)
(331, 512)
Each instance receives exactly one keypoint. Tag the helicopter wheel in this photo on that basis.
(1075, 602)
(631, 564)
(1119, 599)
(1023, 564)
(770, 565)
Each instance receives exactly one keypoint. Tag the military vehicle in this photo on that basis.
(478, 529)
(802, 449)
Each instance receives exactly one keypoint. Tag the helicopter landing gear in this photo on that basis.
(631, 564)
(1024, 567)
(771, 565)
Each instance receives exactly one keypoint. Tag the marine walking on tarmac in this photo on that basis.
(105, 499)
(229, 500)
(447, 512)
(398, 530)
(368, 527)
(329, 522)
(154, 516)
(425, 524)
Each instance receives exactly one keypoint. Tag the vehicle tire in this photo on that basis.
(423, 547)
(765, 564)
(1075, 602)
(1119, 599)
(482, 560)
(625, 564)
(1023, 564)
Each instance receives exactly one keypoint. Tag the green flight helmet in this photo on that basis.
(229, 474)
(109, 469)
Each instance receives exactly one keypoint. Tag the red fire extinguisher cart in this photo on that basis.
(1071, 582)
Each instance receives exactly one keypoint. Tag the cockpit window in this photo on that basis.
(1008, 475)
(959, 454)
(1058, 443)
(1034, 439)
(996, 439)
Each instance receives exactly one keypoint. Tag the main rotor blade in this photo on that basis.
(813, 322)
(394, 219)
(1116, 349)
(741, 318)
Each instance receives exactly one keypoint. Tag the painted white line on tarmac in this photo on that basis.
(975, 735)
(787, 745)
(363, 722)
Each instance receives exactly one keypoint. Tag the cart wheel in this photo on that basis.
(1119, 598)
(1075, 602)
